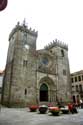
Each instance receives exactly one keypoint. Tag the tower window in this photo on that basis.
(62, 53)
(25, 34)
(25, 63)
(64, 72)
(25, 92)
(25, 37)
(50, 51)
(45, 61)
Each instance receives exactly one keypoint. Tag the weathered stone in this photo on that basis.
(35, 76)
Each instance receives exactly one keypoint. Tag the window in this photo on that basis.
(77, 88)
(62, 53)
(25, 92)
(45, 61)
(25, 63)
(75, 79)
(50, 51)
(82, 77)
(81, 95)
(25, 37)
(72, 80)
(64, 72)
(79, 78)
(80, 88)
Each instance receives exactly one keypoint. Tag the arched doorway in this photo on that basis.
(43, 92)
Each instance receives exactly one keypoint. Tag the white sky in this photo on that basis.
(61, 19)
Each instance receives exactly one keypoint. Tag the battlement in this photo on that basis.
(56, 43)
(23, 27)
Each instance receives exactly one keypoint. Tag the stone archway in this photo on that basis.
(47, 90)
(43, 92)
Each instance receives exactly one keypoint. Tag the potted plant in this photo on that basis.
(43, 109)
(54, 110)
(64, 110)
(33, 108)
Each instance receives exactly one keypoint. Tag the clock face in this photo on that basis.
(26, 46)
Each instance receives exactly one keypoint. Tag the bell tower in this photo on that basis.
(18, 85)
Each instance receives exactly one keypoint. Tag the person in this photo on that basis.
(72, 108)
(81, 103)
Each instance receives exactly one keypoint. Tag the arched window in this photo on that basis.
(62, 53)
(25, 92)
(44, 87)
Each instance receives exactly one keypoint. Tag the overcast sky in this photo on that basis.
(61, 19)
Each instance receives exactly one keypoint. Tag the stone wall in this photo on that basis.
(27, 69)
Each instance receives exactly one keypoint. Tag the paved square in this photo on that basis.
(22, 116)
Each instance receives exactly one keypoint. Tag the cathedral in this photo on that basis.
(34, 77)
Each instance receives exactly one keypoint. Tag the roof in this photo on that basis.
(77, 73)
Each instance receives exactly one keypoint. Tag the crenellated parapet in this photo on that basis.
(58, 43)
(23, 27)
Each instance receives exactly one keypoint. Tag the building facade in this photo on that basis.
(35, 76)
(77, 86)
(1, 82)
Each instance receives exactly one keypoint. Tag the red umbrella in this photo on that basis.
(3, 4)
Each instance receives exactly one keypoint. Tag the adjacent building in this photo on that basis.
(1, 82)
(35, 76)
(77, 86)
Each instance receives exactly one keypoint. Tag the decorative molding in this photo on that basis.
(23, 28)
(56, 43)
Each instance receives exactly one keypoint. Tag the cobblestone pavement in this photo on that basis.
(24, 117)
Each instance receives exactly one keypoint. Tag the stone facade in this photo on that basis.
(1, 82)
(77, 86)
(35, 76)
